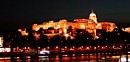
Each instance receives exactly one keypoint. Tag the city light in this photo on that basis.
(1, 41)
(5, 50)
(123, 59)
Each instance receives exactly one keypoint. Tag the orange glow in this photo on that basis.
(28, 47)
(65, 47)
(82, 46)
(19, 30)
(48, 47)
(82, 26)
(44, 49)
(98, 46)
(102, 47)
(23, 32)
(66, 35)
(56, 47)
(87, 48)
(73, 47)
(94, 47)
(37, 36)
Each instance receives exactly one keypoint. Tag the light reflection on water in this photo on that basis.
(64, 59)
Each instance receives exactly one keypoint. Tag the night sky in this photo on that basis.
(16, 14)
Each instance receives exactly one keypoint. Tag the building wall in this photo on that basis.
(108, 26)
(84, 24)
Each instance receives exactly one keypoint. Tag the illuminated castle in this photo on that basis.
(90, 25)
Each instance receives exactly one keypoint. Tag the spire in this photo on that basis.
(92, 11)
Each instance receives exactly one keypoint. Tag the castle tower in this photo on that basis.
(92, 16)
